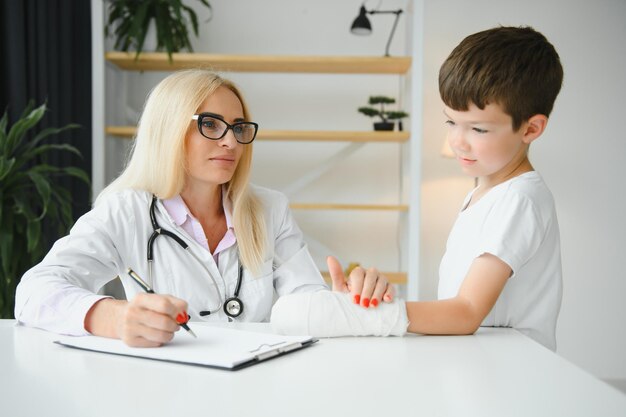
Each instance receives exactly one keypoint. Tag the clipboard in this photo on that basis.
(215, 347)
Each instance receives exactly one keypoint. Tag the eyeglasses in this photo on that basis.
(213, 127)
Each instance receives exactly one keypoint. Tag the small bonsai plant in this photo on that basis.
(385, 115)
(131, 20)
(28, 197)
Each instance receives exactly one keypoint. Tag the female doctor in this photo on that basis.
(183, 217)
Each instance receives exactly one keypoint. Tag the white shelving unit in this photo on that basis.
(405, 67)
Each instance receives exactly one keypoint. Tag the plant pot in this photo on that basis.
(383, 126)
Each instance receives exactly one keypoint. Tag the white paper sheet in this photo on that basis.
(215, 346)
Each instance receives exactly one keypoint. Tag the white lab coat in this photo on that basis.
(57, 293)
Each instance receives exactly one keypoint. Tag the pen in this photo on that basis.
(147, 289)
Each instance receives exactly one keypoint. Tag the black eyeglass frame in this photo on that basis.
(199, 117)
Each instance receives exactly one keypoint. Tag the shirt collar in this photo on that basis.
(179, 211)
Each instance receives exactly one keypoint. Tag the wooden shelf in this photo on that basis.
(393, 277)
(298, 135)
(333, 136)
(159, 61)
(330, 206)
(120, 131)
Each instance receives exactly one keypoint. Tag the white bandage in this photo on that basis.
(333, 314)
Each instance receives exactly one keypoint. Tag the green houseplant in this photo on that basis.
(28, 197)
(384, 114)
(129, 20)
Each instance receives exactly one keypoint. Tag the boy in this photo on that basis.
(502, 265)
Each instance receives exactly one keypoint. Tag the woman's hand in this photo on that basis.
(367, 287)
(148, 320)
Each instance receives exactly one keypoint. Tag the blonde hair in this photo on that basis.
(157, 162)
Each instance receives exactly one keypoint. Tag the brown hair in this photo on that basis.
(514, 67)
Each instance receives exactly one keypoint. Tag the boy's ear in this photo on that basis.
(534, 127)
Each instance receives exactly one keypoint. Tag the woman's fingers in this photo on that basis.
(382, 285)
(139, 335)
(389, 293)
(151, 319)
(336, 275)
(357, 278)
(369, 287)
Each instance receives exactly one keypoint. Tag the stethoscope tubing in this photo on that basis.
(158, 231)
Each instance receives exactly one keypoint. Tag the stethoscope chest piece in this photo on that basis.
(233, 307)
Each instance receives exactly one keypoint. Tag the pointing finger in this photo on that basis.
(336, 274)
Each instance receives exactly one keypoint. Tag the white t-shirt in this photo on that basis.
(515, 221)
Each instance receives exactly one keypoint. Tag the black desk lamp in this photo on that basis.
(362, 26)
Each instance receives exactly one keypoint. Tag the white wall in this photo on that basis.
(582, 157)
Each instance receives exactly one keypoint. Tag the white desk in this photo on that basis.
(497, 372)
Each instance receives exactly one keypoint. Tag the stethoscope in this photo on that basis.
(233, 306)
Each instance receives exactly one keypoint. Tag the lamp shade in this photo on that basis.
(361, 25)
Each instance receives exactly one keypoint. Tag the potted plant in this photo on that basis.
(385, 115)
(130, 20)
(28, 197)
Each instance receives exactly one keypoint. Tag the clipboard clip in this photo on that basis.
(265, 344)
(276, 351)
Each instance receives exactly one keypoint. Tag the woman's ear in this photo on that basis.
(534, 127)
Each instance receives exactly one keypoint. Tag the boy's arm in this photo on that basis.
(464, 313)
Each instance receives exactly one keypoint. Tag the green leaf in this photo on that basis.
(46, 148)
(22, 207)
(175, 14)
(381, 100)
(19, 129)
(29, 107)
(123, 38)
(13, 181)
(3, 127)
(63, 198)
(206, 3)
(6, 165)
(50, 131)
(6, 244)
(78, 173)
(392, 115)
(43, 189)
(165, 31)
(193, 17)
(368, 111)
(33, 235)
(139, 26)
(45, 169)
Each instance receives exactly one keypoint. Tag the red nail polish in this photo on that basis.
(180, 319)
(374, 302)
(357, 299)
(366, 302)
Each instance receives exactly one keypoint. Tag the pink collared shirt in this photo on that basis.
(181, 215)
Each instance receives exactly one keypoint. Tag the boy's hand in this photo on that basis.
(367, 287)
